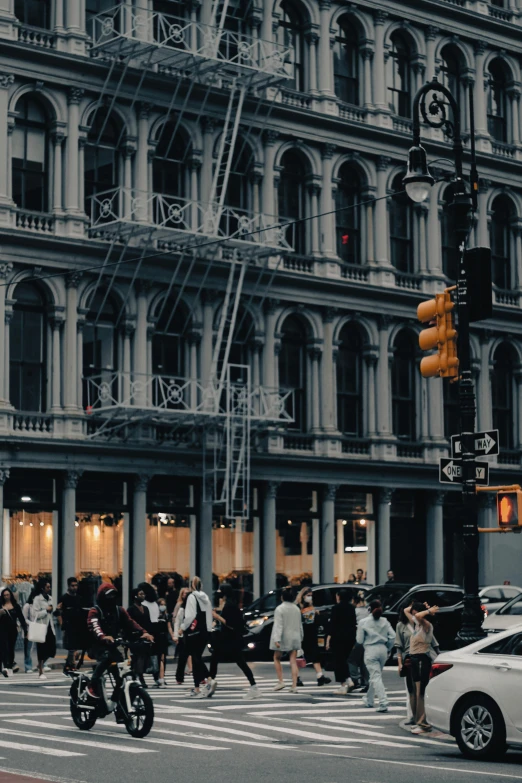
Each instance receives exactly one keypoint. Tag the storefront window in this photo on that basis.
(99, 544)
(353, 535)
(31, 538)
(233, 556)
(297, 525)
(168, 544)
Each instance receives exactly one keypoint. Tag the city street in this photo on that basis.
(313, 736)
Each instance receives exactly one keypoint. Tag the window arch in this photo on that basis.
(292, 368)
(239, 189)
(241, 347)
(346, 61)
(102, 160)
(453, 70)
(36, 13)
(404, 403)
(401, 228)
(447, 230)
(171, 173)
(290, 35)
(292, 198)
(27, 350)
(399, 76)
(350, 382)
(503, 394)
(502, 240)
(348, 215)
(497, 101)
(100, 341)
(30, 158)
(169, 347)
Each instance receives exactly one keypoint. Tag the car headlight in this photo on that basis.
(258, 621)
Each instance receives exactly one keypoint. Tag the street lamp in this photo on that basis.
(431, 102)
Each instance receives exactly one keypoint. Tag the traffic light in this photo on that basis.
(441, 335)
(509, 508)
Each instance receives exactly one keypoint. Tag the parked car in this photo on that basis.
(506, 617)
(259, 616)
(494, 597)
(389, 593)
(474, 694)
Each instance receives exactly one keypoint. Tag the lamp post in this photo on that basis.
(432, 102)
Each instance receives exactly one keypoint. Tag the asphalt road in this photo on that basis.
(313, 736)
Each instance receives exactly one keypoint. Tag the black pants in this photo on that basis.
(232, 656)
(105, 658)
(419, 671)
(341, 650)
(7, 647)
(196, 646)
(181, 651)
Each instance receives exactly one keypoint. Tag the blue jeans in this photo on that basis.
(375, 656)
(28, 660)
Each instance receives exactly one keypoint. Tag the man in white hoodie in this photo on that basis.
(197, 627)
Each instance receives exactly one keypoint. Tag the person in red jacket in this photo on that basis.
(106, 621)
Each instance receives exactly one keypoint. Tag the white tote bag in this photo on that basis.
(36, 632)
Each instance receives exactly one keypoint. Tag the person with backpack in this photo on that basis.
(227, 640)
(197, 627)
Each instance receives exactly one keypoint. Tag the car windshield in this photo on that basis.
(387, 594)
(267, 603)
(513, 607)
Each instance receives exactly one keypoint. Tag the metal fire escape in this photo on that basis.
(136, 43)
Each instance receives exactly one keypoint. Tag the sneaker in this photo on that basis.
(42, 677)
(252, 693)
(293, 689)
(364, 702)
(279, 687)
(211, 688)
(409, 722)
(382, 708)
(157, 683)
(322, 680)
(418, 730)
(16, 668)
(163, 684)
(342, 691)
(193, 693)
(202, 694)
(179, 682)
(300, 683)
(9, 672)
(47, 669)
(351, 685)
(29, 671)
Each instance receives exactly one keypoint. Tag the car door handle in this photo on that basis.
(505, 667)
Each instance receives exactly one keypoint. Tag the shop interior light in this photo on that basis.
(30, 524)
(41, 523)
(362, 522)
(222, 525)
(289, 521)
(76, 523)
(356, 549)
(21, 522)
(25, 499)
(345, 521)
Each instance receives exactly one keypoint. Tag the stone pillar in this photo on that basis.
(327, 224)
(481, 121)
(312, 40)
(58, 139)
(269, 536)
(420, 210)
(367, 55)
(340, 574)
(68, 566)
(482, 218)
(328, 533)
(6, 81)
(139, 529)
(267, 21)
(204, 540)
(314, 352)
(384, 534)
(5, 544)
(7, 366)
(71, 369)
(325, 54)
(381, 213)
(514, 97)
(430, 35)
(435, 538)
(268, 196)
(72, 172)
(269, 354)
(371, 356)
(207, 168)
(379, 70)
(371, 556)
(140, 341)
(142, 162)
(328, 379)
(384, 423)
(485, 412)
(5, 271)
(74, 22)
(207, 343)
(127, 331)
(434, 239)
(56, 367)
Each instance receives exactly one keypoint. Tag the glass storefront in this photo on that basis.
(353, 534)
(233, 556)
(171, 513)
(297, 523)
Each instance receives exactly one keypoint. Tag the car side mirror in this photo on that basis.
(485, 600)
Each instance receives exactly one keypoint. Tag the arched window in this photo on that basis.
(399, 76)
(240, 349)
(36, 13)
(291, 36)
(292, 198)
(501, 241)
(403, 387)
(350, 382)
(346, 62)
(239, 189)
(100, 340)
(348, 215)
(451, 409)
(30, 163)
(27, 350)
(503, 394)
(447, 230)
(292, 368)
(102, 161)
(401, 228)
(452, 71)
(497, 101)
(171, 175)
(168, 342)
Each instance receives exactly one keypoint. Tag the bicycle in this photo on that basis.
(130, 703)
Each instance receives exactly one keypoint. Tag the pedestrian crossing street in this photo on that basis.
(35, 719)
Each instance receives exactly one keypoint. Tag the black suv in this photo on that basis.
(259, 616)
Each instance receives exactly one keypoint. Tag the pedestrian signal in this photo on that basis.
(509, 508)
(441, 335)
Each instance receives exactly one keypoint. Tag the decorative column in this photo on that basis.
(58, 139)
(207, 342)
(5, 544)
(435, 411)
(207, 169)
(6, 81)
(367, 55)
(56, 322)
(74, 24)
(327, 544)
(325, 54)
(371, 357)
(434, 240)
(193, 339)
(431, 68)
(312, 40)
(7, 366)
(58, 16)
(71, 369)
(481, 122)
(140, 342)
(128, 330)
(384, 428)
(269, 354)
(314, 352)
(314, 190)
(72, 173)
(327, 225)
(485, 412)
(68, 565)
(139, 529)
(482, 228)
(328, 379)
(384, 534)
(269, 200)
(379, 71)
(5, 271)
(142, 161)
(204, 541)
(269, 536)
(195, 163)
(421, 210)
(514, 97)
(435, 537)
(381, 213)
(127, 150)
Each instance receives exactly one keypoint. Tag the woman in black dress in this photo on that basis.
(140, 614)
(10, 616)
(310, 617)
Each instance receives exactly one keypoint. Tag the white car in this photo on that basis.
(494, 597)
(506, 617)
(474, 695)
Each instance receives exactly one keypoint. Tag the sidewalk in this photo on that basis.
(58, 661)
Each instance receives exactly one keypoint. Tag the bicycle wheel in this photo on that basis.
(140, 721)
(82, 717)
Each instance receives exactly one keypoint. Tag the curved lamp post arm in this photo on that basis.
(435, 115)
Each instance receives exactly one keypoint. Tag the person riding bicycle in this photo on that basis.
(106, 621)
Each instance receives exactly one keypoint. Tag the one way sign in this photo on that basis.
(486, 444)
(450, 471)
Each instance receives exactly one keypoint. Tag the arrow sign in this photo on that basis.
(450, 471)
(486, 444)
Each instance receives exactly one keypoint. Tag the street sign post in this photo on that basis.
(450, 471)
(486, 444)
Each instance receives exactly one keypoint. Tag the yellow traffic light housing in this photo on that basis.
(509, 508)
(441, 335)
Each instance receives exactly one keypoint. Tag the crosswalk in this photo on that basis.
(35, 719)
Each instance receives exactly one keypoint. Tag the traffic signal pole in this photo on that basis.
(432, 102)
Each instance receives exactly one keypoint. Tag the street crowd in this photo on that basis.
(359, 640)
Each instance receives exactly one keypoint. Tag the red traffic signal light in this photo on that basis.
(509, 508)
(441, 335)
